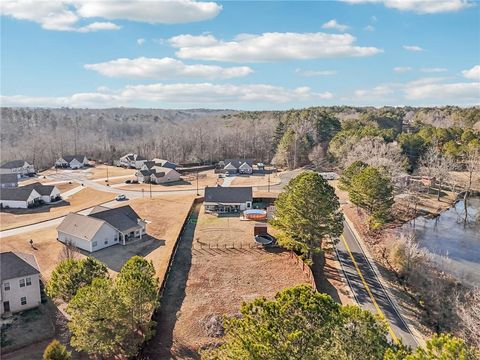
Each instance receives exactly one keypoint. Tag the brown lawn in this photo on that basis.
(255, 180)
(210, 277)
(82, 200)
(100, 172)
(166, 216)
(66, 186)
(188, 182)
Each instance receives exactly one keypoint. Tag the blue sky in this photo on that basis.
(241, 55)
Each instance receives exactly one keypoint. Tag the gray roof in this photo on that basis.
(40, 188)
(15, 194)
(237, 162)
(69, 158)
(81, 226)
(149, 164)
(146, 172)
(228, 195)
(14, 265)
(13, 164)
(140, 158)
(8, 178)
(121, 218)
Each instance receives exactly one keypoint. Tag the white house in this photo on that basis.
(164, 163)
(237, 166)
(19, 167)
(133, 161)
(48, 193)
(20, 277)
(158, 175)
(72, 161)
(227, 199)
(102, 228)
(19, 198)
(8, 181)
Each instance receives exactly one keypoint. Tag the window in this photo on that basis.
(94, 244)
(106, 242)
(29, 281)
(6, 286)
(22, 282)
(116, 239)
(23, 300)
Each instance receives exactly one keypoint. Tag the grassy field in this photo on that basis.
(255, 180)
(82, 200)
(100, 172)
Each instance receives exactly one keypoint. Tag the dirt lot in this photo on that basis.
(215, 281)
(82, 200)
(255, 180)
(100, 172)
(189, 182)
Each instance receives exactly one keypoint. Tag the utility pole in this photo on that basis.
(150, 189)
(268, 182)
(107, 171)
(143, 192)
(197, 184)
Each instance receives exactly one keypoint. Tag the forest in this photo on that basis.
(287, 138)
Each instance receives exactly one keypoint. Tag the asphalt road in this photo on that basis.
(367, 288)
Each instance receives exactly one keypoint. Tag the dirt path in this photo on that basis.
(173, 295)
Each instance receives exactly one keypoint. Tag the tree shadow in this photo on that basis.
(160, 346)
(115, 256)
(36, 210)
(322, 272)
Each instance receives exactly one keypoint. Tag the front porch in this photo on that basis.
(131, 235)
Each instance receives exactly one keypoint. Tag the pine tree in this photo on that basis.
(307, 213)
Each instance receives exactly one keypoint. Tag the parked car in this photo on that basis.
(121, 197)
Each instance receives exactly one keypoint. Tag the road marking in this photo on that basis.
(380, 312)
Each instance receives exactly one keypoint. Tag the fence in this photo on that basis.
(305, 268)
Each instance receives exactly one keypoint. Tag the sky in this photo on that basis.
(239, 54)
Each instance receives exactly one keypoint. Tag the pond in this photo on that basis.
(453, 238)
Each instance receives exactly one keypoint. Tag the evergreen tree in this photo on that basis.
(137, 287)
(301, 323)
(307, 213)
(72, 274)
(351, 171)
(56, 351)
(372, 191)
(98, 319)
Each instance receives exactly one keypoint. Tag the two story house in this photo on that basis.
(20, 280)
(19, 167)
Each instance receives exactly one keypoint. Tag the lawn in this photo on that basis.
(100, 172)
(82, 200)
(255, 180)
(209, 277)
(188, 182)
(166, 216)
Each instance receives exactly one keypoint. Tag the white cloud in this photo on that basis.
(150, 11)
(402, 69)
(140, 41)
(461, 92)
(64, 15)
(433, 70)
(429, 90)
(369, 28)
(269, 47)
(333, 24)
(313, 73)
(414, 48)
(96, 26)
(473, 73)
(165, 68)
(182, 93)
(420, 6)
